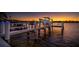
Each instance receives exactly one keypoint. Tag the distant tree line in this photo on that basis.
(3, 15)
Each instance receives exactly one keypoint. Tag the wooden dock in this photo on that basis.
(7, 31)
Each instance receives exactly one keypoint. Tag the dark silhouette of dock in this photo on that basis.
(13, 27)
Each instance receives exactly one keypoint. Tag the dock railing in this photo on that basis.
(6, 32)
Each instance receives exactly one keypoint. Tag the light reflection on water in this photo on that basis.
(69, 38)
(71, 33)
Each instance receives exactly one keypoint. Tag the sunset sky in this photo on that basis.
(56, 16)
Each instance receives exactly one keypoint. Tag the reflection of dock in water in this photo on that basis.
(10, 28)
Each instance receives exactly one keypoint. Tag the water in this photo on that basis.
(54, 39)
(71, 33)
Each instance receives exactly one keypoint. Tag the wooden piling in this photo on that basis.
(2, 28)
(35, 24)
(39, 29)
(52, 25)
(49, 30)
(28, 35)
(62, 30)
(44, 31)
(7, 31)
(28, 25)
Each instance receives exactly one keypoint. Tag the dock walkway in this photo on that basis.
(3, 43)
(30, 29)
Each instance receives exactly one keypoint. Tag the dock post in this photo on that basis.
(39, 29)
(24, 25)
(49, 28)
(62, 28)
(7, 31)
(35, 25)
(2, 28)
(62, 33)
(27, 25)
(28, 35)
(52, 25)
(35, 29)
(44, 29)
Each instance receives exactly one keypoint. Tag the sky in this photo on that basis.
(56, 16)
